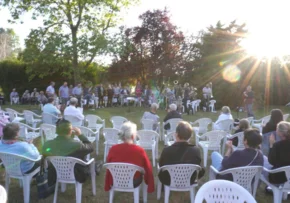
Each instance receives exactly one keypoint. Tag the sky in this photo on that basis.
(194, 15)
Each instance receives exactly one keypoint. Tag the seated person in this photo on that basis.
(25, 99)
(42, 98)
(279, 153)
(11, 144)
(34, 96)
(2, 99)
(51, 108)
(128, 152)
(250, 156)
(225, 114)
(152, 115)
(243, 125)
(276, 117)
(71, 110)
(172, 113)
(14, 97)
(181, 152)
(65, 145)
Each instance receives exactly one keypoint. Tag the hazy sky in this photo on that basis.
(194, 15)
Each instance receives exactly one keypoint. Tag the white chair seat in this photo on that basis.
(18, 119)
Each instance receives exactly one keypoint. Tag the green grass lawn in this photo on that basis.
(134, 115)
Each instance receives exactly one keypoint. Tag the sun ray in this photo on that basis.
(267, 85)
(250, 74)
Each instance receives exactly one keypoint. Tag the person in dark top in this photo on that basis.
(110, 93)
(181, 152)
(172, 113)
(65, 145)
(243, 125)
(279, 154)
(250, 156)
(249, 100)
(276, 117)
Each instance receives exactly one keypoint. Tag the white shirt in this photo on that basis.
(50, 89)
(221, 118)
(73, 111)
(206, 90)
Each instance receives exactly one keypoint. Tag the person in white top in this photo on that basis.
(207, 93)
(225, 114)
(71, 110)
(50, 91)
(152, 115)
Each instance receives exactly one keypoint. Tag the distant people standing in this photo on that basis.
(138, 90)
(63, 94)
(78, 92)
(50, 91)
(147, 93)
(101, 94)
(249, 100)
(207, 94)
(14, 96)
(186, 96)
(70, 90)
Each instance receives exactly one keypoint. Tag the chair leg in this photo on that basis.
(26, 189)
(167, 194)
(62, 187)
(97, 147)
(7, 182)
(136, 195)
(55, 192)
(159, 187)
(111, 196)
(93, 177)
(285, 195)
(192, 195)
(153, 156)
(105, 154)
(144, 187)
(205, 152)
(78, 192)
(20, 183)
(277, 195)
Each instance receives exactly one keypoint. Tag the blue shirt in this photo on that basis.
(64, 91)
(24, 149)
(51, 109)
(77, 91)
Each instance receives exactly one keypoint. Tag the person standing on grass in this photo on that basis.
(50, 91)
(63, 93)
(78, 92)
(249, 100)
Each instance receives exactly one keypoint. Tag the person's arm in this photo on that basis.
(86, 147)
(148, 177)
(30, 150)
(108, 177)
(59, 90)
(162, 158)
(272, 156)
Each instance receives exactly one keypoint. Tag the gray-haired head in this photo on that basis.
(154, 107)
(73, 101)
(173, 107)
(128, 131)
(226, 110)
(284, 129)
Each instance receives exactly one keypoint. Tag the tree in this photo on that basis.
(9, 43)
(150, 51)
(73, 30)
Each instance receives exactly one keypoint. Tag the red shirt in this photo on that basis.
(133, 154)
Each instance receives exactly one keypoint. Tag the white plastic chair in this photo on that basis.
(261, 122)
(248, 176)
(173, 124)
(148, 140)
(111, 138)
(210, 141)
(240, 137)
(285, 117)
(93, 120)
(29, 118)
(180, 175)
(49, 118)
(12, 163)
(14, 100)
(212, 105)
(203, 124)
(170, 139)
(123, 176)
(27, 132)
(91, 135)
(47, 132)
(278, 190)
(75, 121)
(223, 191)
(14, 115)
(250, 120)
(193, 107)
(118, 121)
(3, 194)
(64, 167)
(226, 125)
(149, 124)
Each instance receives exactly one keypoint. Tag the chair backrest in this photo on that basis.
(214, 138)
(87, 132)
(240, 137)
(123, 174)
(111, 135)
(223, 191)
(226, 125)
(64, 167)
(93, 121)
(203, 124)
(74, 120)
(170, 138)
(244, 176)
(285, 117)
(12, 163)
(147, 137)
(118, 121)
(180, 174)
(28, 116)
(147, 124)
(11, 114)
(49, 118)
(173, 123)
(24, 131)
(266, 119)
(48, 130)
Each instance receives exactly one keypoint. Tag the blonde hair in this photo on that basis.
(127, 130)
(154, 106)
(226, 110)
(244, 124)
(172, 107)
(284, 128)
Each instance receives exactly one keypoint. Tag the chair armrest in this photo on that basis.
(213, 169)
(21, 114)
(193, 123)
(34, 160)
(86, 163)
(282, 169)
(231, 136)
(257, 121)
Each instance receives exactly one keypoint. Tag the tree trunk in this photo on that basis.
(75, 57)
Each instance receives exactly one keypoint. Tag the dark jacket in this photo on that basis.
(179, 153)
(279, 156)
(170, 115)
(62, 146)
(269, 127)
(236, 139)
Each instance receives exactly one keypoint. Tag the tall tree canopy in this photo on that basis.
(9, 43)
(73, 30)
